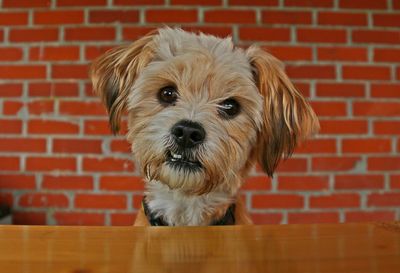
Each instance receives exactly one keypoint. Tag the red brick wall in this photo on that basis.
(60, 165)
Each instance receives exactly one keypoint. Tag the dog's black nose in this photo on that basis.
(188, 134)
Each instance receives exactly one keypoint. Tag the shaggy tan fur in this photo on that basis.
(206, 71)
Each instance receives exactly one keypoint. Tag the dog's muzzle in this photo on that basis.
(187, 135)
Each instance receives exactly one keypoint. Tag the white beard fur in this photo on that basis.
(179, 209)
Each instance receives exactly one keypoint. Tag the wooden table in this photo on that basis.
(344, 248)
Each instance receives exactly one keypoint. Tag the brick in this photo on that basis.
(108, 16)
(386, 20)
(334, 163)
(220, 31)
(10, 90)
(197, 3)
(266, 3)
(376, 36)
(89, 34)
(7, 198)
(10, 126)
(16, 145)
(330, 109)
(396, 4)
(342, 90)
(97, 127)
(264, 34)
(369, 216)
(38, 126)
(309, 3)
(384, 163)
(39, 200)
(137, 201)
(1, 35)
(17, 181)
(359, 182)
(107, 165)
(138, 2)
(83, 3)
(29, 218)
(380, 109)
(9, 163)
(120, 146)
(22, 72)
(100, 201)
(170, 16)
(286, 17)
(266, 218)
(13, 18)
(88, 89)
(79, 146)
(370, 145)
(293, 165)
(384, 127)
(10, 54)
(58, 17)
(78, 108)
(317, 146)
(230, 16)
(26, 3)
(383, 199)
(321, 35)
(54, 53)
(70, 71)
(40, 107)
(387, 55)
(122, 219)
(342, 54)
(395, 182)
(313, 217)
(50, 164)
(53, 89)
(257, 183)
(121, 183)
(362, 4)
(338, 200)
(291, 53)
(33, 35)
(134, 33)
(92, 52)
(277, 201)
(79, 218)
(342, 18)
(303, 183)
(102, 127)
(311, 71)
(303, 88)
(12, 107)
(67, 182)
(366, 72)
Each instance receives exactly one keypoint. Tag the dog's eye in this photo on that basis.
(168, 95)
(229, 108)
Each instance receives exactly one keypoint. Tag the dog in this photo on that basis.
(201, 113)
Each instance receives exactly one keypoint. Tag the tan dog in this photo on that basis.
(201, 112)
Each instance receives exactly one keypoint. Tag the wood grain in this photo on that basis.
(345, 248)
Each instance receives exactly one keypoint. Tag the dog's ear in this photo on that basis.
(287, 117)
(114, 73)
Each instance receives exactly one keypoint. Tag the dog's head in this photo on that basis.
(201, 111)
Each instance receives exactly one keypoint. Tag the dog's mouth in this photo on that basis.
(183, 160)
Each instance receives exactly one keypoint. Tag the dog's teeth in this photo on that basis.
(176, 156)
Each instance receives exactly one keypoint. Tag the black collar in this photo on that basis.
(227, 219)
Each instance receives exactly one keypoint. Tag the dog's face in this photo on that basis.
(200, 111)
